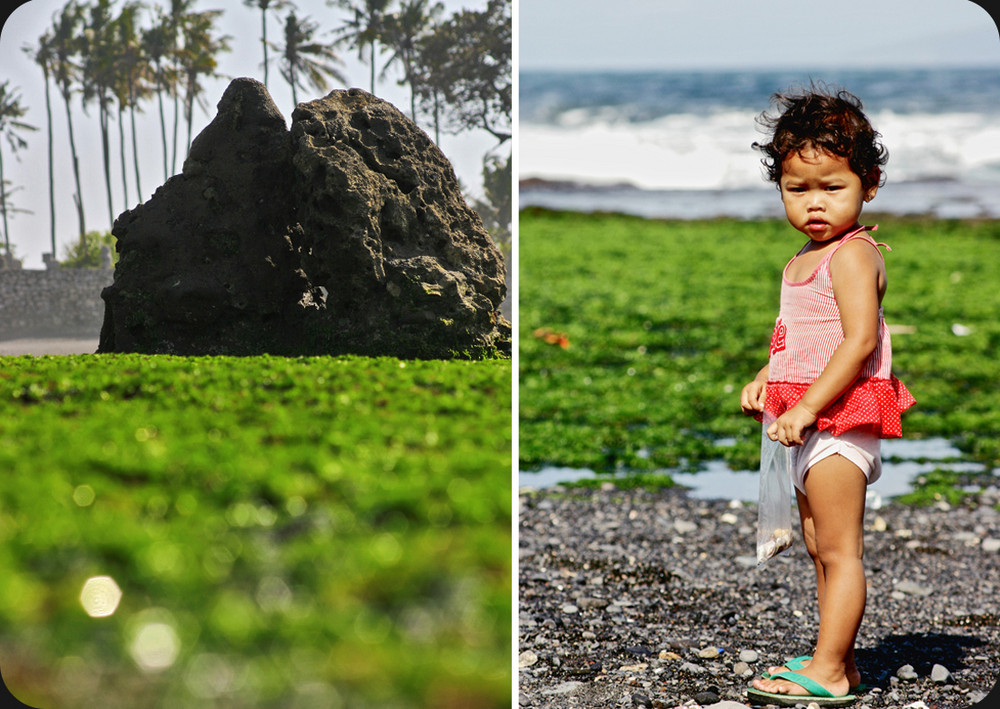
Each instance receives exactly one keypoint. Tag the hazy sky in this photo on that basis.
(30, 232)
(703, 34)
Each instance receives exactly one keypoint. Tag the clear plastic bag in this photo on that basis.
(774, 507)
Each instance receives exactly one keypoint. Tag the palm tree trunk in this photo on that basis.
(173, 161)
(78, 198)
(263, 40)
(121, 144)
(106, 154)
(52, 188)
(189, 112)
(163, 127)
(135, 152)
(3, 207)
(373, 66)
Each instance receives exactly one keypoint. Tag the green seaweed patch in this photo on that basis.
(939, 485)
(341, 521)
(637, 335)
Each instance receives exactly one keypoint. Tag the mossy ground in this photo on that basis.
(636, 336)
(327, 531)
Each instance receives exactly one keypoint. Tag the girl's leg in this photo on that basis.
(833, 529)
(809, 538)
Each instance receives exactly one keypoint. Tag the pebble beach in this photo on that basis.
(651, 598)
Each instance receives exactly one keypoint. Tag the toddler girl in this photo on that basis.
(828, 382)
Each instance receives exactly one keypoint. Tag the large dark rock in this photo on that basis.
(346, 234)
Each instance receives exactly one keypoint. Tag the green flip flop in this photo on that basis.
(796, 663)
(818, 694)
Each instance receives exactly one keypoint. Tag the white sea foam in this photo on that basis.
(690, 151)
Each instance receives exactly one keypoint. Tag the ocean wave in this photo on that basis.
(713, 151)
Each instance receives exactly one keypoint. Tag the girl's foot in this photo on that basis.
(800, 663)
(837, 686)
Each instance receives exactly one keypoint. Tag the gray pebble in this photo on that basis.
(564, 688)
(940, 675)
(641, 700)
(749, 656)
(569, 608)
(706, 698)
(742, 669)
(906, 673)
(684, 526)
(527, 659)
(990, 545)
(913, 588)
(693, 668)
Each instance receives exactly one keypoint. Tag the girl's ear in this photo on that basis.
(875, 176)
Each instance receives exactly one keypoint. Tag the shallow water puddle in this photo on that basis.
(902, 461)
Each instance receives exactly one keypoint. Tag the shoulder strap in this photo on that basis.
(861, 233)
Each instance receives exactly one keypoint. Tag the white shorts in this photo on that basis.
(860, 446)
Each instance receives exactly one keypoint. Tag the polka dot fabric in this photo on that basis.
(876, 403)
(807, 331)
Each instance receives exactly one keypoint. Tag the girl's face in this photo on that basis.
(823, 197)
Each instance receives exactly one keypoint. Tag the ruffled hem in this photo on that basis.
(874, 402)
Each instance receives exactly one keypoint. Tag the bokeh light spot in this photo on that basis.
(154, 646)
(83, 495)
(100, 596)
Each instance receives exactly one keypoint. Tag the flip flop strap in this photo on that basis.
(812, 686)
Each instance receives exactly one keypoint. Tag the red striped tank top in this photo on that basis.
(807, 331)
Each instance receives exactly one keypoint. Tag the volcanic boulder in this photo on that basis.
(346, 234)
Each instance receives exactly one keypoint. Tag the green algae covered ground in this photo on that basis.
(316, 532)
(637, 335)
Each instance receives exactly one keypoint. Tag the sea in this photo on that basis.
(671, 144)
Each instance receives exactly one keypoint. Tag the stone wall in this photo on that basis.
(60, 302)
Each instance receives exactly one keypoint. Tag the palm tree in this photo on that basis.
(44, 56)
(97, 54)
(130, 70)
(264, 6)
(297, 64)
(177, 19)
(198, 59)
(401, 32)
(11, 111)
(65, 34)
(157, 46)
(365, 29)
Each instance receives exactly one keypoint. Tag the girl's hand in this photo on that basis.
(752, 397)
(789, 427)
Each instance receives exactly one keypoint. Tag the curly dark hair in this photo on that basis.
(820, 118)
